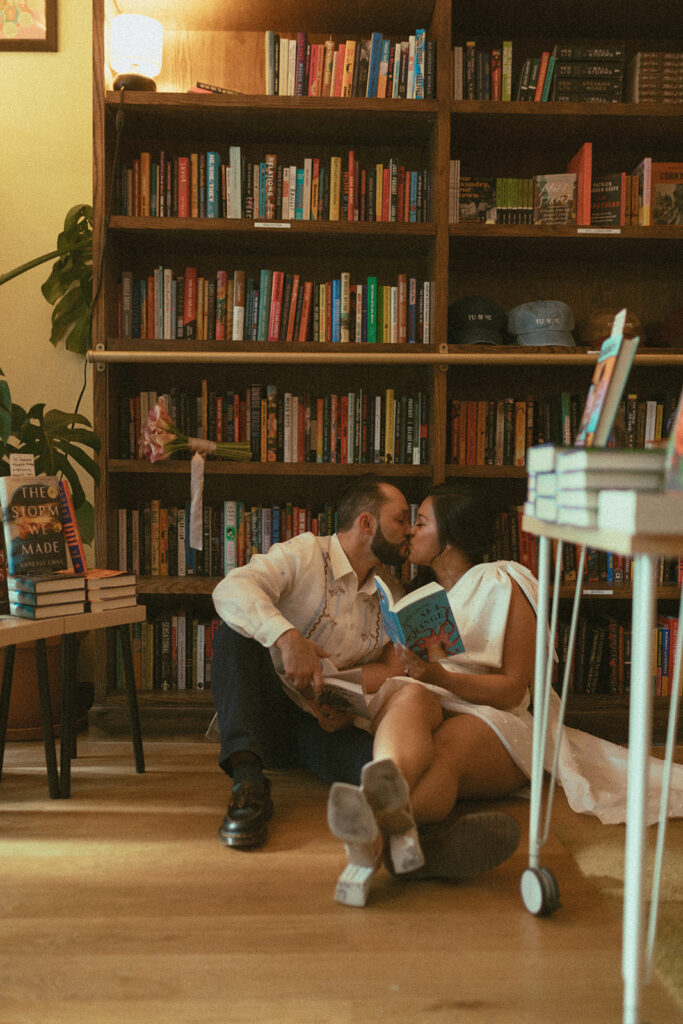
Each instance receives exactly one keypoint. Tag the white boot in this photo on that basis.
(350, 818)
(389, 797)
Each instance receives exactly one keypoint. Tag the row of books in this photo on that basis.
(565, 72)
(655, 77)
(356, 426)
(171, 651)
(331, 188)
(498, 432)
(602, 655)
(650, 193)
(153, 539)
(275, 306)
(603, 569)
(376, 68)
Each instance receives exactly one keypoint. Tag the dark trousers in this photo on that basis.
(255, 714)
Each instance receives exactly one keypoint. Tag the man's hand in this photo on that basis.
(301, 661)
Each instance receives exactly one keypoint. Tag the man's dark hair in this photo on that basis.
(363, 495)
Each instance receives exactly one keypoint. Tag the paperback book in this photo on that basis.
(47, 611)
(607, 386)
(422, 620)
(32, 524)
(555, 198)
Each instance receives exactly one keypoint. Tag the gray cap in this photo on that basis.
(545, 322)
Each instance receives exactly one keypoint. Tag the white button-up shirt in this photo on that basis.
(306, 583)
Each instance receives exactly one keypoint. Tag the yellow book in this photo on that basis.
(349, 61)
(335, 187)
(389, 423)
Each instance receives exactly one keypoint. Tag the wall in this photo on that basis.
(46, 169)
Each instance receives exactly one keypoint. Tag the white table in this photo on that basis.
(645, 550)
(14, 630)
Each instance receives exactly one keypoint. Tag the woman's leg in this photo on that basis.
(404, 730)
(469, 763)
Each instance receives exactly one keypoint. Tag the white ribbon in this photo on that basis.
(196, 502)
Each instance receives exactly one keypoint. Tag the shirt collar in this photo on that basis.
(341, 566)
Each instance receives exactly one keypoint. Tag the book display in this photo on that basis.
(301, 301)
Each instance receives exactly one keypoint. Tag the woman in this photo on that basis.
(460, 728)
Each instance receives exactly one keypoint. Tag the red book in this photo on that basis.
(292, 307)
(313, 71)
(540, 81)
(190, 303)
(496, 66)
(351, 188)
(338, 70)
(305, 311)
(183, 186)
(275, 305)
(582, 166)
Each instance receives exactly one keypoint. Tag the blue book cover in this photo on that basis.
(299, 195)
(336, 309)
(422, 620)
(373, 69)
(213, 184)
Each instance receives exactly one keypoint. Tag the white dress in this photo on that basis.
(592, 771)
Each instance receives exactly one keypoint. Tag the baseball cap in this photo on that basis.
(545, 322)
(598, 326)
(475, 320)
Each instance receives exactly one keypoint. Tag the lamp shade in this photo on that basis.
(135, 45)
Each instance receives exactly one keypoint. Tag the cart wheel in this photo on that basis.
(540, 891)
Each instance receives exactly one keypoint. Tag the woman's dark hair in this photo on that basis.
(365, 494)
(463, 519)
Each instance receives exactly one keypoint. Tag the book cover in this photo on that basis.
(32, 524)
(555, 198)
(673, 469)
(41, 584)
(608, 200)
(667, 193)
(581, 164)
(422, 620)
(477, 199)
(658, 512)
(107, 604)
(650, 460)
(643, 175)
(53, 598)
(607, 386)
(72, 534)
(101, 579)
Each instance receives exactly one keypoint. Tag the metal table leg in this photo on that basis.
(46, 720)
(129, 679)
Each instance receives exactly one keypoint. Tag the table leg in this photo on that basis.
(129, 680)
(68, 714)
(5, 694)
(640, 738)
(46, 720)
(538, 742)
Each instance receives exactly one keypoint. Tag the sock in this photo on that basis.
(248, 767)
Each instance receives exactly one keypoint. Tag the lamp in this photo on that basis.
(135, 51)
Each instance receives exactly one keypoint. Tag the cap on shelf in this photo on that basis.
(545, 322)
(598, 326)
(475, 320)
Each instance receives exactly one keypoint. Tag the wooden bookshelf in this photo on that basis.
(223, 43)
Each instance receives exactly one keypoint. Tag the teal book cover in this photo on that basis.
(422, 620)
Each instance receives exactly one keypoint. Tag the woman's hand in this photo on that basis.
(413, 666)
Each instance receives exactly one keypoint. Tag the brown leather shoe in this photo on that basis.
(250, 808)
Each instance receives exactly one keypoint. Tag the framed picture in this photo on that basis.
(28, 24)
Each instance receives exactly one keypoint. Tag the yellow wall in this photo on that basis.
(46, 159)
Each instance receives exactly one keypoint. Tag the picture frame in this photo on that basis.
(28, 25)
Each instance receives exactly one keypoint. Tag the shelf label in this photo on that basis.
(598, 231)
(272, 224)
(597, 593)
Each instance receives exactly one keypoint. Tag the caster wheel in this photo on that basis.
(540, 891)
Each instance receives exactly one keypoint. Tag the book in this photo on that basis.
(47, 584)
(673, 468)
(27, 611)
(609, 200)
(342, 691)
(607, 385)
(32, 524)
(108, 603)
(422, 620)
(628, 460)
(72, 534)
(641, 511)
(643, 174)
(477, 199)
(581, 164)
(666, 194)
(555, 198)
(586, 480)
(45, 600)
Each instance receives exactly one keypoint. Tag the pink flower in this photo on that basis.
(160, 438)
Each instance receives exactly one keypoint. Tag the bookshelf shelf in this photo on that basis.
(223, 43)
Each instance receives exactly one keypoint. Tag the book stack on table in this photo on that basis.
(46, 596)
(107, 589)
(570, 493)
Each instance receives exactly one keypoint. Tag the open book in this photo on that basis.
(422, 620)
(343, 690)
(607, 386)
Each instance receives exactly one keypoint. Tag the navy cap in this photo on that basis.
(546, 322)
(474, 320)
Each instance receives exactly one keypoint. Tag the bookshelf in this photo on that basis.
(224, 44)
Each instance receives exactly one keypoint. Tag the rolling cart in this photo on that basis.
(539, 888)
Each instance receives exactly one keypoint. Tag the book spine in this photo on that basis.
(71, 532)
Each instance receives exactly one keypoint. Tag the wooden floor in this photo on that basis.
(120, 906)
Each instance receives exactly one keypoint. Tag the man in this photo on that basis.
(307, 599)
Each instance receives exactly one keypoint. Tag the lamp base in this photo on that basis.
(137, 83)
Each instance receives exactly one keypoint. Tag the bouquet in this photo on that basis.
(160, 438)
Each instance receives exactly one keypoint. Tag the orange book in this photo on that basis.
(275, 305)
(582, 166)
(336, 89)
(145, 183)
(328, 62)
(292, 307)
(183, 186)
(542, 71)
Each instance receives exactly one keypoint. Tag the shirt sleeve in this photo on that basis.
(247, 598)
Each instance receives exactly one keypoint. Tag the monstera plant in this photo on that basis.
(61, 442)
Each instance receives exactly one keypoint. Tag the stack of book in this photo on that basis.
(107, 589)
(585, 473)
(588, 73)
(655, 78)
(46, 596)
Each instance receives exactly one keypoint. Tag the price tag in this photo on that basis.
(22, 464)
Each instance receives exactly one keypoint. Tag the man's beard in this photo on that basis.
(388, 554)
